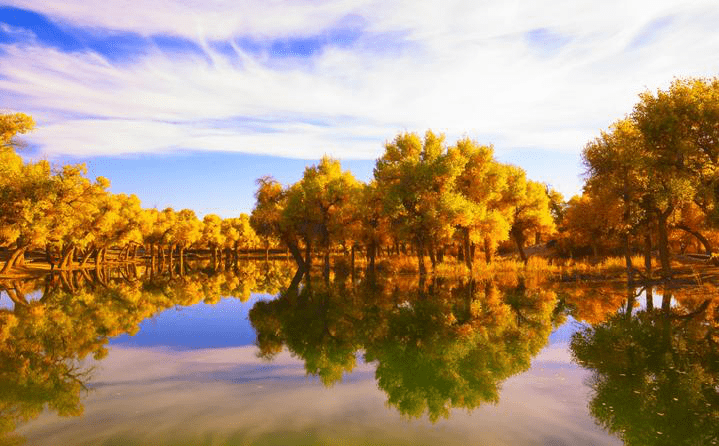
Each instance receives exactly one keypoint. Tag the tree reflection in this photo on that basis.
(656, 371)
(47, 340)
(437, 345)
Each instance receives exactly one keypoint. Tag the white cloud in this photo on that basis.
(460, 67)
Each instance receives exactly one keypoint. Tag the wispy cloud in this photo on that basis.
(305, 78)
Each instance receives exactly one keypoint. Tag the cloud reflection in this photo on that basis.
(229, 396)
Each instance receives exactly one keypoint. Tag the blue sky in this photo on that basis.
(188, 103)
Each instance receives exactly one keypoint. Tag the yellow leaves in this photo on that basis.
(13, 124)
(102, 182)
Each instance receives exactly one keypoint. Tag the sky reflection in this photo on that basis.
(229, 396)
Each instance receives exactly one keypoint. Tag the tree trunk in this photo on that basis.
(49, 257)
(88, 253)
(228, 258)
(648, 252)
(171, 259)
(519, 240)
(631, 299)
(97, 258)
(66, 262)
(664, 243)
(182, 261)
(308, 256)
(13, 260)
(420, 258)
(296, 254)
(628, 259)
(703, 240)
(666, 300)
(326, 269)
(467, 248)
(17, 297)
(488, 251)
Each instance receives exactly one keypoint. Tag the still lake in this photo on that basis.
(251, 357)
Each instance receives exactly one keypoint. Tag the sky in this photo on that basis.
(187, 103)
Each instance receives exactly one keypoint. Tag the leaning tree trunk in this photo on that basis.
(13, 260)
(703, 240)
(296, 254)
(67, 258)
(88, 253)
(519, 241)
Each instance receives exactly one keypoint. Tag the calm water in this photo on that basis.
(246, 357)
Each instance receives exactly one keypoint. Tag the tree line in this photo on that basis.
(74, 220)
(652, 183)
(426, 198)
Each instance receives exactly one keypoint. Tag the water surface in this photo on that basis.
(246, 357)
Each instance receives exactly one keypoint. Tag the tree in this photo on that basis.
(267, 218)
(528, 205)
(320, 206)
(592, 220)
(680, 129)
(418, 180)
(481, 183)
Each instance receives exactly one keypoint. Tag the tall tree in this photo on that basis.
(418, 178)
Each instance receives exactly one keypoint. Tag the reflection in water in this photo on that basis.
(44, 342)
(437, 345)
(656, 371)
(429, 346)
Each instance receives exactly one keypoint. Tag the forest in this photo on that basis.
(651, 189)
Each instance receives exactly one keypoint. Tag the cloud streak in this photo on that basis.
(307, 78)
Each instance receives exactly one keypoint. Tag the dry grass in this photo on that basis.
(537, 266)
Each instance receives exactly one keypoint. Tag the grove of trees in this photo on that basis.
(426, 198)
(652, 187)
(653, 176)
(72, 220)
